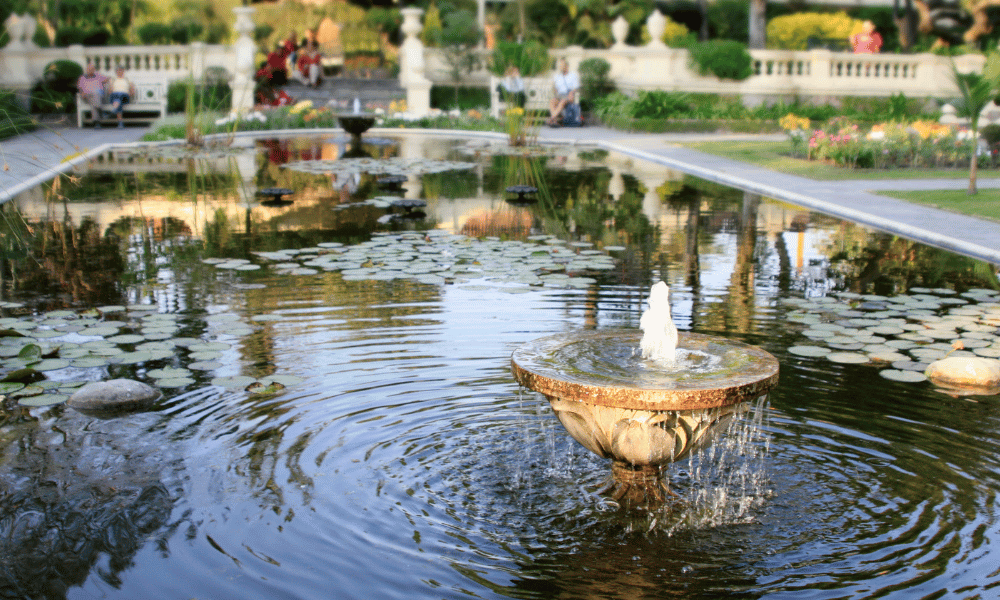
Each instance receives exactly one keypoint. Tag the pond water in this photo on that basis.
(339, 418)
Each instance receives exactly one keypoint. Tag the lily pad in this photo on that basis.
(43, 400)
(904, 376)
(51, 364)
(847, 358)
(89, 362)
(235, 382)
(176, 382)
(205, 365)
(11, 387)
(168, 373)
(811, 351)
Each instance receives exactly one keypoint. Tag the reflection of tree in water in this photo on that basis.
(884, 264)
(68, 503)
(63, 264)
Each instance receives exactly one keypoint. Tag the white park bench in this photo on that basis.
(537, 89)
(150, 101)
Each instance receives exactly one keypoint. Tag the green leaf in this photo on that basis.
(30, 353)
(26, 375)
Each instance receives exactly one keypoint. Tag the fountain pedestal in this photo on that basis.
(641, 415)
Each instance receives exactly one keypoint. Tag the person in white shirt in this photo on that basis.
(567, 87)
(512, 87)
(122, 91)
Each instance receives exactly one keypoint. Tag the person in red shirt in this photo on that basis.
(273, 71)
(868, 41)
(308, 69)
(268, 96)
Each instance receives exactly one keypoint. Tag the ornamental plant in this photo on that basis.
(792, 32)
(726, 59)
(797, 129)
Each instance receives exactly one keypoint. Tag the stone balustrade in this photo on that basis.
(818, 74)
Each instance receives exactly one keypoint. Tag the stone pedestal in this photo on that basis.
(15, 64)
(412, 65)
(244, 48)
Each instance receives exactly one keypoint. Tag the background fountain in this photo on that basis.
(644, 410)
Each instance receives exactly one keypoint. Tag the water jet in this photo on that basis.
(644, 412)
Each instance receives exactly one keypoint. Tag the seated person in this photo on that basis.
(273, 70)
(308, 69)
(91, 87)
(511, 89)
(122, 92)
(566, 86)
(267, 97)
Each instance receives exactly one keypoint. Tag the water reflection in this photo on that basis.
(407, 463)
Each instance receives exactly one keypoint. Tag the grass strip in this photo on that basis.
(985, 204)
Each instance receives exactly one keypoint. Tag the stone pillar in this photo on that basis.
(656, 24)
(243, 67)
(619, 31)
(412, 65)
(15, 59)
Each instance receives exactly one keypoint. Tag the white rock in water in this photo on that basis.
(659, 334)
(116, 395)
(965, 371)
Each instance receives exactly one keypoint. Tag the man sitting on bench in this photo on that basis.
(565, 108)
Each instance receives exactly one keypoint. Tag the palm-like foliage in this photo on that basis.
(977, 90)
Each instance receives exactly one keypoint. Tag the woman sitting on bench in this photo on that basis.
(122, 92)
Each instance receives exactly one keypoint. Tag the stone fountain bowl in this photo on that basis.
(636, 412)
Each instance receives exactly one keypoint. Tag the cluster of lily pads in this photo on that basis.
(439, 257)
(377, 166)
(45, 357)
(904, 333)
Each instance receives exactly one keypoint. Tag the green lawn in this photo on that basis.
(773, 155)
(985, 204)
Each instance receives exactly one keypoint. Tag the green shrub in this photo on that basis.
(56, 92)
(433, 28)
(186, 28)
(594, 81)
(97, 37)
(725, 59)
(213, 96)
(530, 57)
(443, 97)
(729, 20)
(658, 104)
(67, 36)
(792, 32)
(217, 33)
(154, 33)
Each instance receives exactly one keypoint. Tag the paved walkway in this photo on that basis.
(36, 157)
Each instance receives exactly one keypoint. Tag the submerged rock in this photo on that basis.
(966, 372)
(116, 395)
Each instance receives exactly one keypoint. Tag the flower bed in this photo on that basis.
(890, 145)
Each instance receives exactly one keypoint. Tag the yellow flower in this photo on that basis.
(475, 114)
(792, 122)
(301, 106)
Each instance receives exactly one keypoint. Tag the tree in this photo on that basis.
(458, 40)
(758, 24)
(977, 90)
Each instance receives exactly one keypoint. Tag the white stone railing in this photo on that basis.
(776, 73)
(22, 63)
